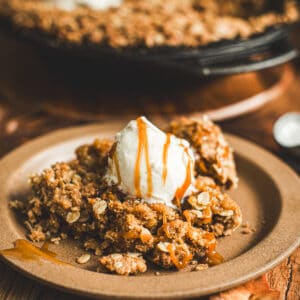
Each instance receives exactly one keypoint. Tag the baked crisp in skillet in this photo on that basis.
(189, 23)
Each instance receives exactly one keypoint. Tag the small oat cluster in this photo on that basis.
(71, 200)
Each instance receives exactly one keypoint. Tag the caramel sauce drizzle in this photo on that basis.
(187, 216)
(142, 145)
(188, 179)
(138, 159)
(166, 229)
(210, 237)
(146, 238)
(179, 264)
(214, 258)
(165, 220)
(165, 157)
(116, 162)
(24, 250)
(165, 225)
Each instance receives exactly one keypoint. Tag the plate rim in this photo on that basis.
(24, 152)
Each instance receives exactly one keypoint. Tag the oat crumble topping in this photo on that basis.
(72, 200)
(214, 157)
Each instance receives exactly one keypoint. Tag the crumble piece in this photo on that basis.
(94, 157)
(64, 197)
(212, 209)
(37, 234)
(83, 259)
(214, 157)
(55, 240)
(124, 263)
(246, 229)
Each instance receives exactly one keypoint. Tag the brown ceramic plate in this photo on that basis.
(268, 195)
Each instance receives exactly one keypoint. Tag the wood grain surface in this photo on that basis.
(42, 91)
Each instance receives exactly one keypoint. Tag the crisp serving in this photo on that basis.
(146, 197)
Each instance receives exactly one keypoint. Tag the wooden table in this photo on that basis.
(38, 95)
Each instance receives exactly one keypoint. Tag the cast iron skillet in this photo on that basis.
(261, 51)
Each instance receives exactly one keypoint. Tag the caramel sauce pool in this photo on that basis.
(26, 251)
(179, 264)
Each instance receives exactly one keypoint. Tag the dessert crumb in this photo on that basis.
(246, 225)
(156, 273)
(246, 229)
(201, 267)
(124, 263)
(16, 204)
(83, 259)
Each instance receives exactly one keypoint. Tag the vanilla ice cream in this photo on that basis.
(147, 163)
(93, 4)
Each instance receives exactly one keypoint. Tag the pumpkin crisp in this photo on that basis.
(73, 200)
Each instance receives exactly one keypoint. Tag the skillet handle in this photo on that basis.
(274, 57)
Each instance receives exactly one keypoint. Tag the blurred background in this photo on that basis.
(233, 60)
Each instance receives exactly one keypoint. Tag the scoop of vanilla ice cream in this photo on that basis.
(94, 4)
(150, 164)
